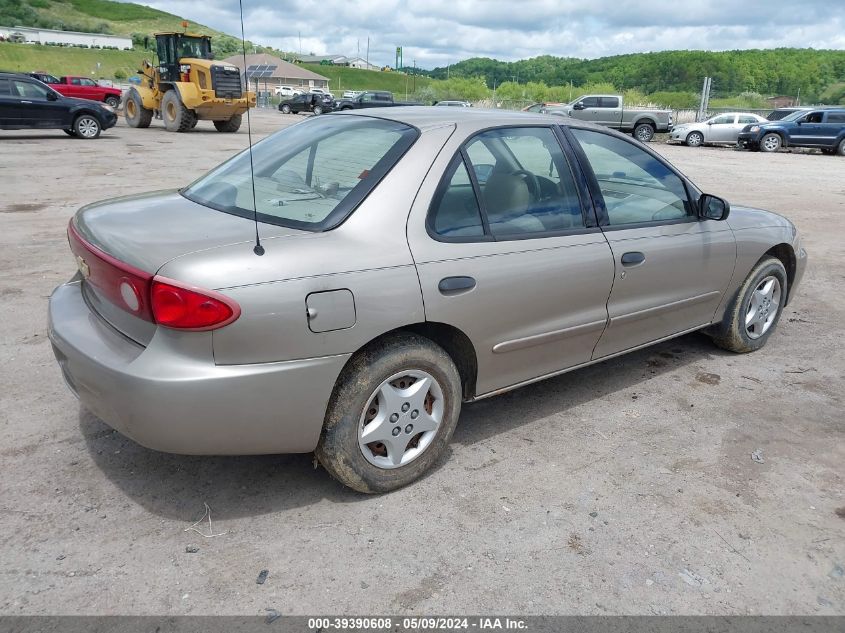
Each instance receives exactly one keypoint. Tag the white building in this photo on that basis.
(360, 62)
(67, 38)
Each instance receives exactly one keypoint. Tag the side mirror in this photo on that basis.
(52, 96)
(712, 207)
(578, 106)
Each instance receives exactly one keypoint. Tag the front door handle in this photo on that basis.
(633, 258)
(455, 285)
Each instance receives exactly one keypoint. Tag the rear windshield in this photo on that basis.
(309, 176)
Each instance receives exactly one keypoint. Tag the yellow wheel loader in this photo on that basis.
(187, 86)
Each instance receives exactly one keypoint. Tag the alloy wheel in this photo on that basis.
(87, 127)
(763, 307)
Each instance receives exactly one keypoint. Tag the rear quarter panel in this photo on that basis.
(368, 255)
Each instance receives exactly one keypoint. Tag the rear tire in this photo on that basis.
(755, 311)
(771, 143)
(113, 101)
(177, 118)
(134, 112)
(694, 139)
(841, 148)
(374, 399)
(285, 109)
(87, 126)
(232, 125)
(644, 132)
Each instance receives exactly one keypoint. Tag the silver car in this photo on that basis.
(722, 128)
(410, 260)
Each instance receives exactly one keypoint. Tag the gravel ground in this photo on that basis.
(624, 488)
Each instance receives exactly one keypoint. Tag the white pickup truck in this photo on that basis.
(610, 110)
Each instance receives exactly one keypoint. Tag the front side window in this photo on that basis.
(29, 90)
(815, 117)
(523, 187)
(590, 102)
(636, 186)
(308, 176)
(725, 119)
(87, 82)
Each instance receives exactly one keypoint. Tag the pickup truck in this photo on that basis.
(821, 128)
(610, 110)
(372, 99)
(80, 88)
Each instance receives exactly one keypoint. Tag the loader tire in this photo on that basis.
(177, 118)
(232, 125)
(134, 112)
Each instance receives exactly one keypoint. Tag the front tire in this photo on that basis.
(177, 118)
(771, 143)
(134, 112)
(644, 132)
(86, 126)
(230, 126)
(318, 110)
(694, 139)
(391, 415)
(755, 312)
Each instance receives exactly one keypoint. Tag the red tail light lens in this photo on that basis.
(184, 308)
(156, 299)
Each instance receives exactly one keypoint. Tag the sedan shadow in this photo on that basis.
(176, 486)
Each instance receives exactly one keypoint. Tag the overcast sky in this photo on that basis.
(439, 32)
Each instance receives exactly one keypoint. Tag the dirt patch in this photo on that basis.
(708, 378)
(23, 207)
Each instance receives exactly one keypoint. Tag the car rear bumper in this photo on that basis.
(171, 396)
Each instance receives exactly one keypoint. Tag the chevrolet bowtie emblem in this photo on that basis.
(83, 267)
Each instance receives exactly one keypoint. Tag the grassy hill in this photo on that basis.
(342, 78)
(70, 61)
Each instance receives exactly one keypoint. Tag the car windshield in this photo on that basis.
(795, 115)
(311, 175)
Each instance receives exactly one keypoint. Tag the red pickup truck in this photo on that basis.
(80, 87)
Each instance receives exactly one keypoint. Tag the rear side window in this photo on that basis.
(308, 176)
(4, 86)
(610, 102)
(836, 117)
(523, 187)
(746, 119)
(455, 211)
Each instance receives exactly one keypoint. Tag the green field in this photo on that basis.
(342, 78)
(69, 61)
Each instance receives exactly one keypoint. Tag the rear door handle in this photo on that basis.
(633, 258)
(455, 285)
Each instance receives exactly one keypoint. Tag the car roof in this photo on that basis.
(431, 116)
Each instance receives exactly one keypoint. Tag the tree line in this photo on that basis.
(781, 71)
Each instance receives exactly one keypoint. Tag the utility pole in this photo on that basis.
(415, 76)
(368, 52)
(300, 44)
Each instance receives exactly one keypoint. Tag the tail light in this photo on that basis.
(186, 308)
(153, 298)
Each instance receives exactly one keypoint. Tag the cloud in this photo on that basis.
(439, 32)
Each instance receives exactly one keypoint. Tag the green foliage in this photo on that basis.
(770, 72)
(743, 101)
(343, 78)
(676, 100)
(116, 11)
(120, 74)
(834, 94)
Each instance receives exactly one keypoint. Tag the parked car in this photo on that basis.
(307, 102)
(610, 111)
(455, 104)
(779, 113)
(722, 128)
(822, 128)
(371, 99)
(26, 103)
(422, 287)
(351, 94)
(81, 88)
(320, 91)
(286, 91)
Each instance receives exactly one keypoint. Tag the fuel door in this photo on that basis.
(330, 310)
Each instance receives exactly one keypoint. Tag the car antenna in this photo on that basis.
(258, 249)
